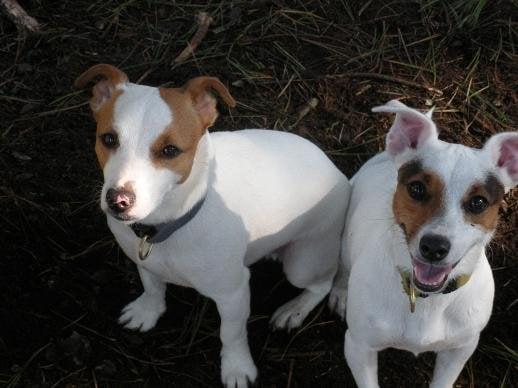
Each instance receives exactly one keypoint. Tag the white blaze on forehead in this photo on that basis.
(140, 115)
(458, 166)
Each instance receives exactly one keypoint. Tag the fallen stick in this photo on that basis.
(18, 15)
(204, 21)
(303, 112)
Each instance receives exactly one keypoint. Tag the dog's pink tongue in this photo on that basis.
(430, 274)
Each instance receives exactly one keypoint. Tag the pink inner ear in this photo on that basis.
(509, 156)
(102, 90)
(406, 133)
(205, 103)
(413, 128)
(206, 107)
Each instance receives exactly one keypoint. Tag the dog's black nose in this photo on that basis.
(120, 200)
(434, 247)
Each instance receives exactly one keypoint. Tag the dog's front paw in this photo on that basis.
(237, 370)
(143, 313)
(338, 301)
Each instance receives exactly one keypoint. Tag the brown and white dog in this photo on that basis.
(196, 209)
(420, 216)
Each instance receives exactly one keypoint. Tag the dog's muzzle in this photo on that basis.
(120, 201)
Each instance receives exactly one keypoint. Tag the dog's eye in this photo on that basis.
(170, 151)
(417, 190)
(477, 204)
(109, 140)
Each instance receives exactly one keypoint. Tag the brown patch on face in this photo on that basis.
(493, 191)
(412, 214)
(104, 118)
(184, 133)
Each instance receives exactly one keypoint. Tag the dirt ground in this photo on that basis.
(315, 68)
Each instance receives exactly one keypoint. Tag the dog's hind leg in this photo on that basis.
(309, 264)
(449, 364)
(143, 313)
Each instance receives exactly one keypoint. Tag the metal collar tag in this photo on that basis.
(144, 248)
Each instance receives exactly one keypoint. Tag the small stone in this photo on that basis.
(21, 156)
(106, 368)
(77, 348)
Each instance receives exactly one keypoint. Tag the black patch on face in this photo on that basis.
(494, 188)
(408, 170)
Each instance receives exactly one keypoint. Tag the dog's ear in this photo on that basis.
(502, 150)
(410, 130)
(199, 89)
(112, 78)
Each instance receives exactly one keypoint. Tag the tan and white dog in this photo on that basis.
(420, 216)
(196, 209)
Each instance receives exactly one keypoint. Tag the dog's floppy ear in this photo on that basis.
(410, 130)
(204, 102)
(103, 90)
(502, 150)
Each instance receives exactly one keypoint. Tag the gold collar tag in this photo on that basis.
(413, 293)
(408, 288)
(144, 248)
(412, 297)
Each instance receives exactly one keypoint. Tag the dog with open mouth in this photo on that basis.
(196, 209)
(415, 275)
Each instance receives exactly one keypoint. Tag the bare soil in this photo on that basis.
(63, 279)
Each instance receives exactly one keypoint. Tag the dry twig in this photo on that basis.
(18, 15)
(204, 20)
(384, 77)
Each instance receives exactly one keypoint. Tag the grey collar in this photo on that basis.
(155, 234)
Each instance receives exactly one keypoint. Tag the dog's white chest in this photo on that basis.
(437, 323)
(431, 330)
(160, 261)
(163, 265)
(418, 332)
